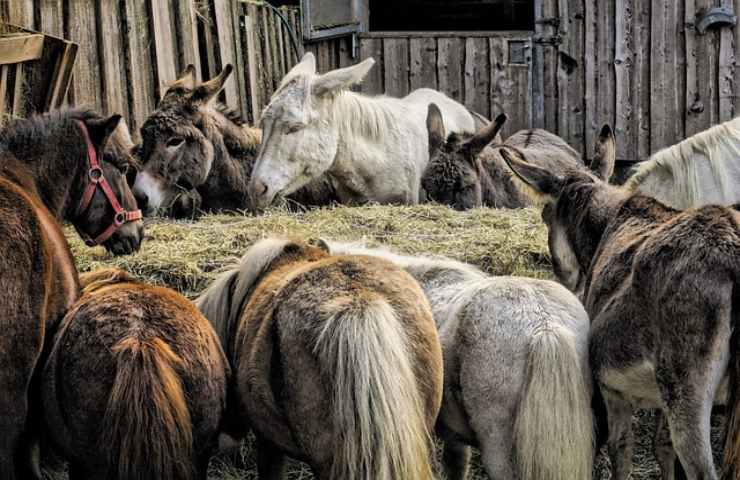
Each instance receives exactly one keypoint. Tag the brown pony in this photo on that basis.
(662, 288)
(44, 168)
(135, 384)
(198, 155)
(336, 361)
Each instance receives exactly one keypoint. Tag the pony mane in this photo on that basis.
(93, 281)
(372, 117)
(30, 130)
(717, 144)
(223, 300)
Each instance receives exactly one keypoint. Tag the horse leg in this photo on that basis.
(663, 448)
(497, 453)
(620, 441)
(456, 459)
(270, 460)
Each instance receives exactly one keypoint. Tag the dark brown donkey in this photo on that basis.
(662, 288)
(336, 361)
(198, 155)
(45, 168)
(467, 171)
(135, 384)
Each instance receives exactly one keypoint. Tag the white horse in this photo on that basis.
(517, 382)
(701, 170)
(373, 149)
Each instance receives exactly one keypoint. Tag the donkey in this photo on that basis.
(336, 361)
(45, 177)
(196, 154)
(467, 171)
(701, 170)
(669, 279)
(517, 381)
(135, 383)
(372, 149)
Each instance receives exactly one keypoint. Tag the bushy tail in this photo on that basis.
(378, 413)
(554, 425)
(146, 430)
(731, 462)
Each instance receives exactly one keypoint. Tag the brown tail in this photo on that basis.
(731, 467)
(147, 428)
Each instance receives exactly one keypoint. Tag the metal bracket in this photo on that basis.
(717, 16)
(553, 40)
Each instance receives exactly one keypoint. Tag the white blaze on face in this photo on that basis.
(147, 185)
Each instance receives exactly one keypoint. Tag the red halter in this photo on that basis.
(97, 179)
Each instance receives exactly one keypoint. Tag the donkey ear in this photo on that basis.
(539, 179)
(101, 129)
(605, 154)
(341, 79)
(207, 91)
(320, 243)
(186, 79)
(485, 135)
(435, 128)
(307, 66)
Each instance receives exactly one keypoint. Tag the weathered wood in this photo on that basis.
(112, 55)
(18, 91)
(538, 60)
(253, 61)
(500, 83)
(139, 64)
(550, 66)
(20, 12)
(3, 92)
(280, 46)
(666, 107)
(477, 76)
(450, 67)
(605, 100)
(727, 106)
(571, 73)
(240, 68)
(624, 67)
(164, 37)
(589, 70)
(518, 98)
(423, 63)
(226, 47)
(345, 52)
(396, 53)
(186, 25)
(272, 26)
(641, 83)
(51, 13)
(373, 47)
(20, 48)
(448, 34)
(61, 77)
(703, 111)
(86, 81)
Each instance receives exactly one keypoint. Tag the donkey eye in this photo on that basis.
(175, 141)
(295, 128)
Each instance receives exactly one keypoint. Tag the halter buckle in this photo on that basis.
(120, 218)
(95, 174)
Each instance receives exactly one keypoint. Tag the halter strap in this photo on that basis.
(96, 179)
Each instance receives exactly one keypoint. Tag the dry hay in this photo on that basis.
(186, 256)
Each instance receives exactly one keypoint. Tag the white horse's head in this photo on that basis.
(300, 132)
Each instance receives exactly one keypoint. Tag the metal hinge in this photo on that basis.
(553, 40)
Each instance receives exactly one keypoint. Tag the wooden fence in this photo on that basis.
(129, 50)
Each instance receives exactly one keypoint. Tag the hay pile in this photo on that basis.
(186, 256)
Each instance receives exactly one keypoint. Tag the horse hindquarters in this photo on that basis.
(554, 426)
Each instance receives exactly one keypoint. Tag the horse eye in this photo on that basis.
(175, 142)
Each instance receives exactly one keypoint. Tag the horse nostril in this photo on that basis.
(142, 200)
(260, 188)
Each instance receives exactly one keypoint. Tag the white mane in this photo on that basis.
(371, 117)
(704, 168)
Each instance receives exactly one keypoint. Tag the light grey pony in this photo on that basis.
(517, 382)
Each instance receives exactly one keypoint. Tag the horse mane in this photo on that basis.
(717, 144)
(93, 281)
(24, 131)
(372, 117)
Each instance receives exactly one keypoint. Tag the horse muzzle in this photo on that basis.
(126, 240)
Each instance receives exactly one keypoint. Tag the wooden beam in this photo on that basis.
(20, 48)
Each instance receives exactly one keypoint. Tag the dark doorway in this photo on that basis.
(451, 15)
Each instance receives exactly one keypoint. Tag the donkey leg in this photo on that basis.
(497, 453)
(456, 459)
(270, 460)
(620, 441)
(663, 447)
(690, 432)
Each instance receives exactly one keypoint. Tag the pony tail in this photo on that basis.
(731, 462)
(146, 430)
(377, 410)
(554, 426)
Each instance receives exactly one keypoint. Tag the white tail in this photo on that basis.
(378, 413)
(554, 426)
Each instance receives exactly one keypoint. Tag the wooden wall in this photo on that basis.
(639, 65)
(129, 50)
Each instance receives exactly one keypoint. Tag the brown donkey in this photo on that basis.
(135, 384)
(44, 174)
(662, 288)
(336, 361)
(198, 155)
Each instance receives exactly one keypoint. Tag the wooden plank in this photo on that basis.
(20, 12)
(517, 98)
(550, 69)
(139, 64)
(186, 26)
(696, 74)
(274, 54)
(324, 54)
(112, 55)
(678, 68)
(396, 63)
(501, 87)
(87, 79)
(423, 62)
(571, 74)
(450, 67)
(449, 33)
(60, 80)
(240, 68)
(209, 40)
(727, 106)
(253, 62)
(538, 60)
(164, 37)
(345, 52)
(477, 76)
(641, 84)
(226, 46)
(20, 48)
(373, 83)
(590, 86)
(3, 92)
(19, 91)
(605, 100)
(625, 122)
(51, 14)
(280, 46)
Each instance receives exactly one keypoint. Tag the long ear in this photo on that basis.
(320, 243)
(436, 128)
(485, 135)
(539, 179)
(101, 129)
(341, 79)
(307, 66)
(605, 154)
(186, 79)
(207, 91)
